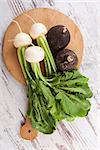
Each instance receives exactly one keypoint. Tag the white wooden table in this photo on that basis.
(81, 134)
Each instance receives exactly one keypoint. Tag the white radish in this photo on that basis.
(37, 29)
(34, 54)
(21, 39)
(38, 32)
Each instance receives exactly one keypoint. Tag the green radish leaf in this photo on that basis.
(72, 105)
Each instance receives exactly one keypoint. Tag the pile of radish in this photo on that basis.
(62, 93)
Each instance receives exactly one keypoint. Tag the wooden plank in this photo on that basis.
(79, 135)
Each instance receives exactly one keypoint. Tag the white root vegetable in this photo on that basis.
(34, 54)
(37, 30)
(22, 39)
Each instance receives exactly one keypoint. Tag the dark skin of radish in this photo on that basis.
(66, 60)
(58, 37)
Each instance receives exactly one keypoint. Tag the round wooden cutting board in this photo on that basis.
(49, 17)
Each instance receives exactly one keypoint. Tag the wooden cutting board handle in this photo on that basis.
(27, 132)
(50, 18)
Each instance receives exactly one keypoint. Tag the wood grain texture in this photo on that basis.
(78, 135)
(49, 17)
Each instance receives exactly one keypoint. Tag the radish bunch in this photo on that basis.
(57, 95)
